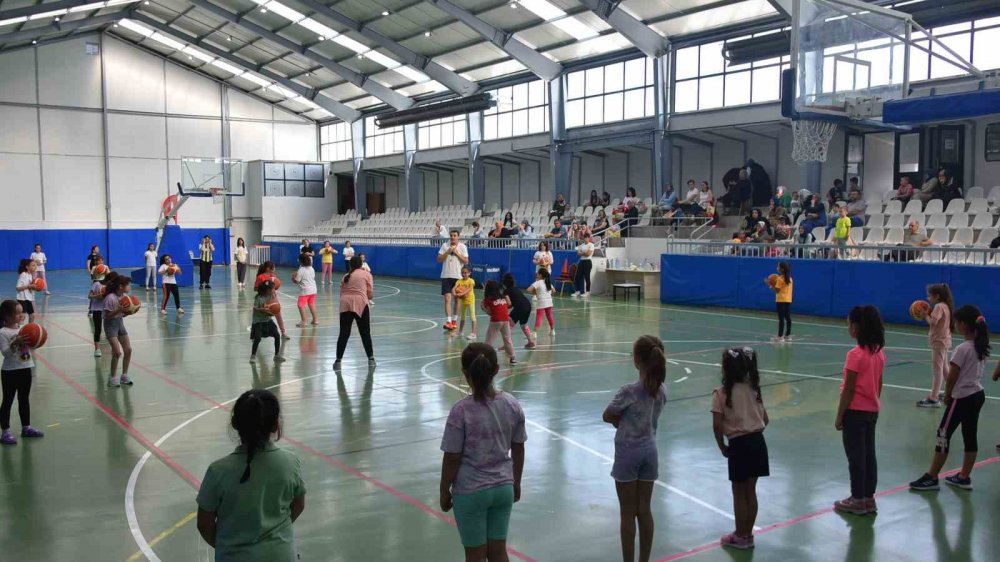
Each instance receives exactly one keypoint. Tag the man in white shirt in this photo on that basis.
(439, 231)
(452, 257)
(585, 251)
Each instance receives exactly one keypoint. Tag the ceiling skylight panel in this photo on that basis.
(44, 15)
(284, 11)
(161, 38)
(318, 28)
(575, 27)
(135, 27)
(379, 58)
(282, 91)
(550, 12)
(204, 57)
(542, 9)
(219, 63)
(255, 79)
(87, 7)
(412, 74)
(13, 20)
(350, 44)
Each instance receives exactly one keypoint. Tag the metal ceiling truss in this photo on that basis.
(338, 109)
(651, 43)
(366, 83)
(59, 27)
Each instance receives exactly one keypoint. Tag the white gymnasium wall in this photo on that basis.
(879, 163)
(282, 216)
(52, 135)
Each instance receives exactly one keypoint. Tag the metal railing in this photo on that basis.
(259, 253)
(394, 240)
(960, 255)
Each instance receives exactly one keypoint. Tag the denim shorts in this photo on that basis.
(484, 515)
(115, 327)
(636, 463)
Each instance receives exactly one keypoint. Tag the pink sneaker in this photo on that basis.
(851, 505)
(732, 540)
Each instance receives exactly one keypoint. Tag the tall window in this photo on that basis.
(447, 131)
(521, 110)
(615, 92)
(704, 80)
(379, 142)
(976, 42)
(335, 142)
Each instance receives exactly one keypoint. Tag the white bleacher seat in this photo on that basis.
(937, 221)
(963, 237)
(875, 219)
(857, 234)
(615, 202)
(975, 192)
(874, 237)
(994, 194)
(955, 206)
(894, 207)
(819, 233)
(982, 220)
(587, 211)
(893, 237)
(913, 207)
(874, 204)
(895, 221)
(978, 205)
(986, 236)
(941, 236)
(958, 220)
(934, 206)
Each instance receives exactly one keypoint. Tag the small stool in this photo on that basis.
(626, 287)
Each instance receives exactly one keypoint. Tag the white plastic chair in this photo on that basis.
(975, 192)
(913, 207)
(875, 220)
(941, 236)
(978, 205)
(934, 206)
(986, 236)
(955, 206)
(982, 220)
(893, 237)
(937, 221)
(895, 221)
(963, 237)
(874, 237)
(894, 207)
(958, 220)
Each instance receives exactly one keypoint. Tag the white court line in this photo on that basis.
(598, 454)
(594, 391)
(682, 379)
(687, 370)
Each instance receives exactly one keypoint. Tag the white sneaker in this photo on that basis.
(253, 358)
(279, 359)
(372, 362)
(472, 336)
(114, 382)
(180, 311)
(163, 311)
(552, 332)
(126, 380)
(575, 295)
(586, 295)
(97, 353)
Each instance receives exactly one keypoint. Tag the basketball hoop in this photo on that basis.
(219, 194)
(811, 139)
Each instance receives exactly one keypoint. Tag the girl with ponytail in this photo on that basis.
(483, 447)
(249, 499)
(964, 398)
(634, 411)
(738, 414)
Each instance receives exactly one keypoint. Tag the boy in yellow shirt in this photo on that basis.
(842, 231)
(465, 295)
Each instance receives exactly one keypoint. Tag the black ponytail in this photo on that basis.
(739, 364)
(479, 361)
(352, 264)
(973, 318)
(649, 351)
(255, 416)
(546, 276)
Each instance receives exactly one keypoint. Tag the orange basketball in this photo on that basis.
(277, 283)
(772, 279)
(920, 309)
(34, 335)
(101, 270)
(173, 269)
(274, 307)
(102, 292)
(130, 304)
(38, 284)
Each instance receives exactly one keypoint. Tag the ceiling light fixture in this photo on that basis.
(385, 12)
(229, 37)
(513, 5)
(55, 19)
(34, 41)
(263, 10)
(427, 33)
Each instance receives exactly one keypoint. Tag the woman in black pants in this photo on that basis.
(582, 281)
(356, 291)
(206, 248)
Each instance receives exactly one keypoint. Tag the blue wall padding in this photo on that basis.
(824, 287)
(420, 262)
(121, 247)
(945, 107)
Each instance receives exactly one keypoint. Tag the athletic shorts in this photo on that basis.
(447, 285)
(306, 300)
(115, 327)
(484, 515)
(636, 463)
(520, 316)
(748, 457)
(28, 307)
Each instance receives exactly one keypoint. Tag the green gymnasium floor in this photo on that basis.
(119, 467)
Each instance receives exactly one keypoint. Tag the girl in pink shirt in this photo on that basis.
(941, 324)
(859, 405)
(356, 291)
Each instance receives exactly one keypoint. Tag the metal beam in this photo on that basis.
(44, 8)
(386, 94)
(338, 109)
(57, 28)
(542, 66)
(651, 43)
(449, 79)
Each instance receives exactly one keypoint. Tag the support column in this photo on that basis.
(477, 172)
(663, 145)
(411, 174)
(358, 165)
(560, 154)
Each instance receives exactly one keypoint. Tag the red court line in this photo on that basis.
(402, 496)
(809, 516)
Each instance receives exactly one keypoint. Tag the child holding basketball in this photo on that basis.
(964, 398)
(265, 272)
(114, 329)
(15, 375)
(169, 270)
(498, 307)
(940, 325)
(326, 253)
(249, 499)
(738, 414)
(25, 287)
(150, 256)
(305, 278)
(782, 288)
(635, 411)
(39, 257)
(520, 311)
(542, 290)
(263, 325)
(96, 296)
(483, 447)
(860, 402)
(465, 295)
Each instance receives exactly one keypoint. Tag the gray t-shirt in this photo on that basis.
(857, 208)
(970, 370)
(914, 238)
(483, 432)
(639, 414)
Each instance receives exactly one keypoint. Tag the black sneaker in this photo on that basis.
(959, 482)
(925, 484)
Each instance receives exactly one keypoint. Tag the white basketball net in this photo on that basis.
(219, 195)
(811, 139)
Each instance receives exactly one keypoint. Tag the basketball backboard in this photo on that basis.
(212, 177)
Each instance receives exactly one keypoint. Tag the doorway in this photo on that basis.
(921, 153)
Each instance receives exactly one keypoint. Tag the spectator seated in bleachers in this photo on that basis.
(557, 231)
(667, 200)
(943, 186)
(836, 193)
(759, 233)
(508, 221)
(782, 198)
(600, 223)
(558, 207)
(439, 231)
(751, 220)
(815, 213)
(905, 191)
(738, 192)
(775, 212)
(856, 210)
(795, 206)
(783, 229)
(915, 238)
(595, 199)
(630, 198)
(605, 199)
(500, 231)
(524, 230)
(477, 231)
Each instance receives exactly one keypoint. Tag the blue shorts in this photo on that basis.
(636, 463)
(484, 515)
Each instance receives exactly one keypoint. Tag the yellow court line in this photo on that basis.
(158, 538)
